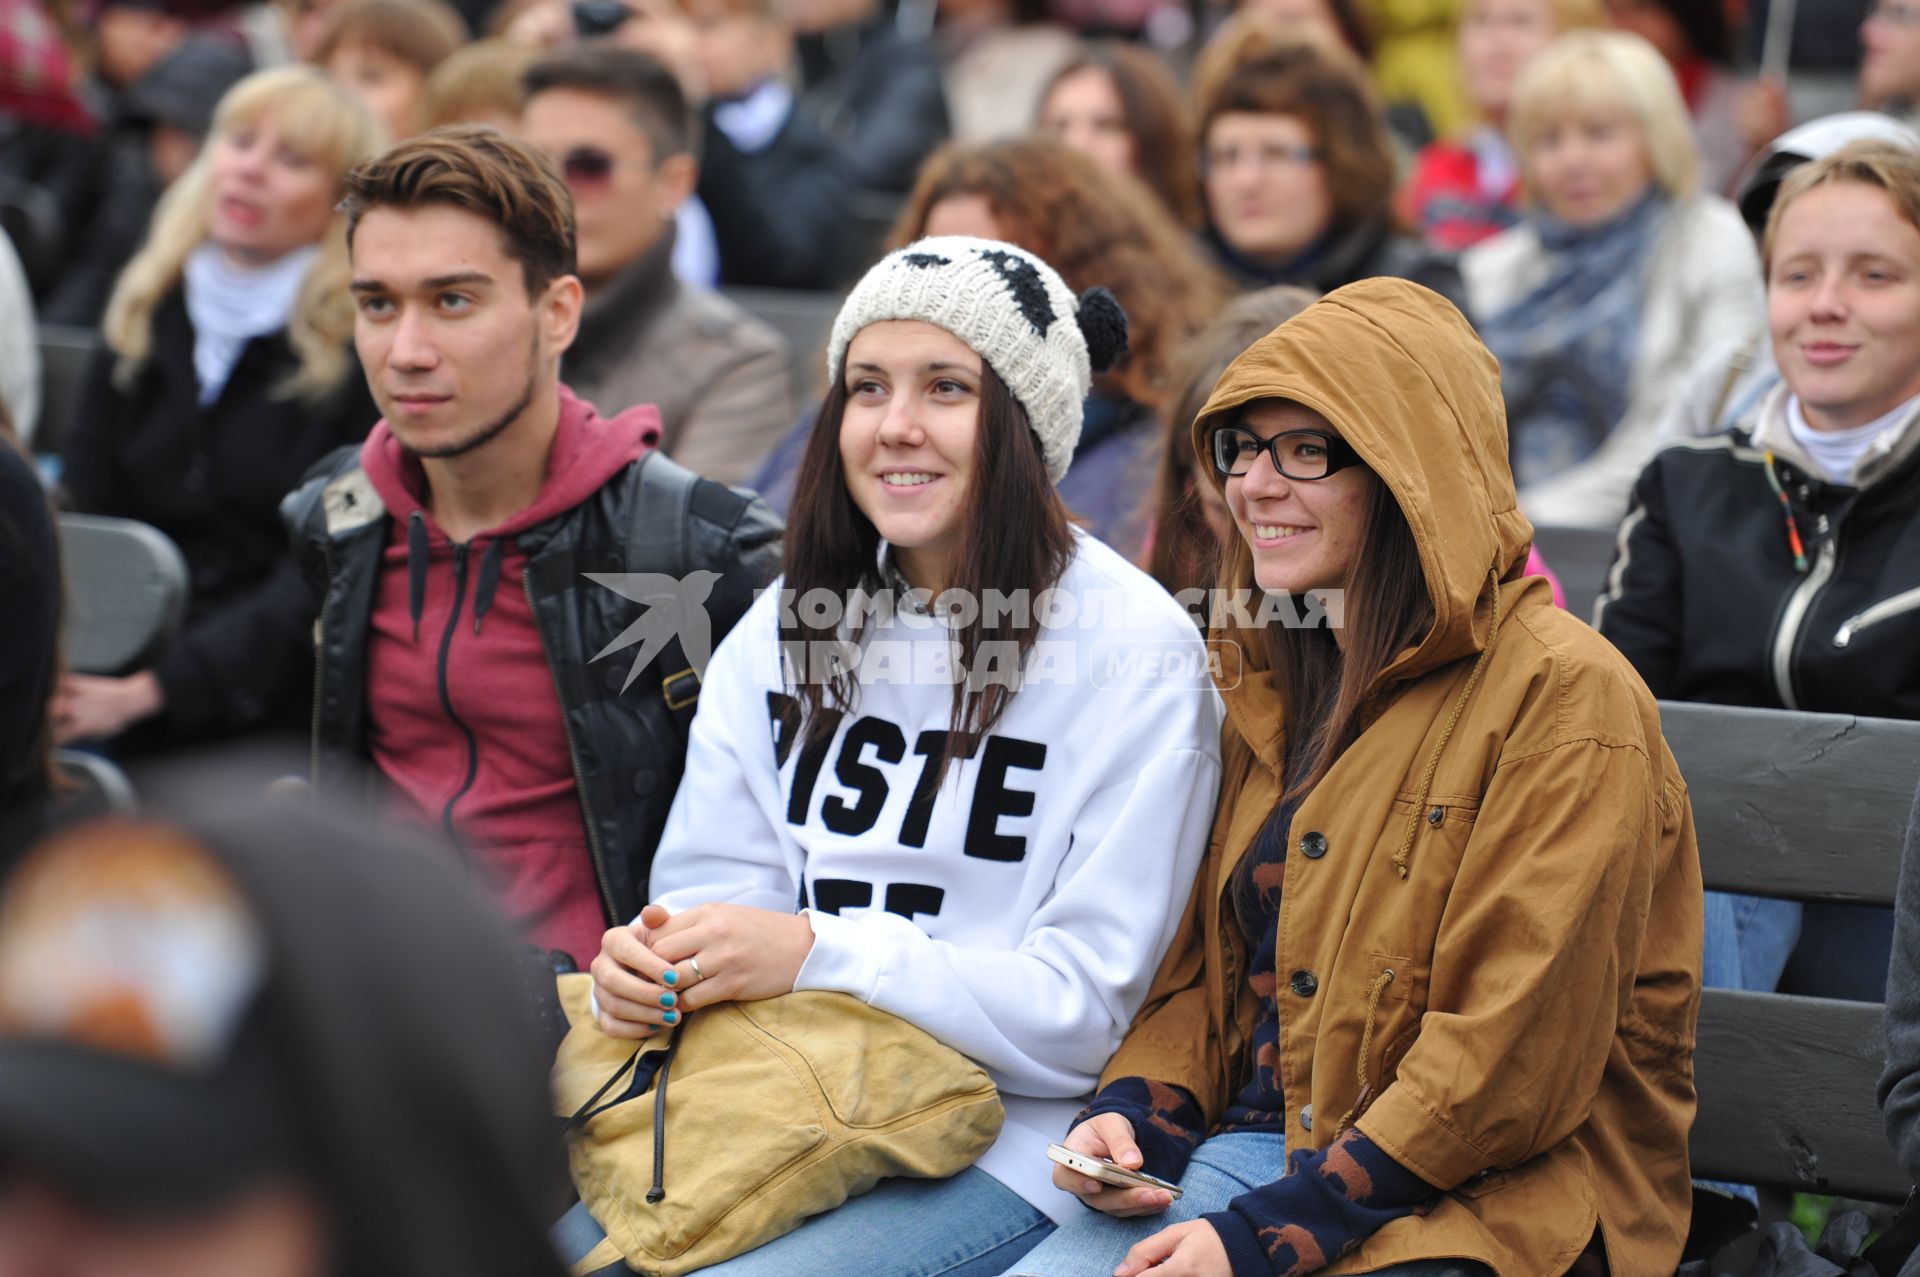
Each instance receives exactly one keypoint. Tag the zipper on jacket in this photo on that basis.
(1906, 601)
(446, 699)
(1799, 607)
(594, 847)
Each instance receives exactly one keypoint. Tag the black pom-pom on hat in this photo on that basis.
(1104, 325)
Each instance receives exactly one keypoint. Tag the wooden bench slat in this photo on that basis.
(1798, 806)
(1786, 1090)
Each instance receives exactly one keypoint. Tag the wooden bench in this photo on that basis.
(1808, 807)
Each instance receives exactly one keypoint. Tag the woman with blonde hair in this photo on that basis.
(1623, 274)
(1466, 189)
(228, 370)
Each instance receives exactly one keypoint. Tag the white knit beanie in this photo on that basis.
(1008, 306)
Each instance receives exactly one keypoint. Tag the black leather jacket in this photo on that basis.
(627, 750)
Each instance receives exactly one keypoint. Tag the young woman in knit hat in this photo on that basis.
(979, 808)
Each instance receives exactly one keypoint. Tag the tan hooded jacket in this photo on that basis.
(1494, 894)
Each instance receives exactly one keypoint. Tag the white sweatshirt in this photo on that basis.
(1020, 918)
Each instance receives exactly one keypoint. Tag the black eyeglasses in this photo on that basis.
(587, 166)
(1301, 455)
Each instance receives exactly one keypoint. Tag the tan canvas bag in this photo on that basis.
(773, 1111)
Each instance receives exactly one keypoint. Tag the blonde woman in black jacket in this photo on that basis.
(228, 372)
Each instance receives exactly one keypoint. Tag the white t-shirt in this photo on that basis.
(1018, 912)
(1838, 452)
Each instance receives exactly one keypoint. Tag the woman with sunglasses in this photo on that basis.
(987, 795)
(1431, 1008)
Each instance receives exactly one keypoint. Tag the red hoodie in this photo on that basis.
(463, 717)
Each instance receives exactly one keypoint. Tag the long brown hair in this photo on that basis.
(1326, 687)
(1014, 536)
(1182, 553)
(1156, 120)
(1094, 227)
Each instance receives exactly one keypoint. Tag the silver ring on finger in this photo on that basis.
(698, 974)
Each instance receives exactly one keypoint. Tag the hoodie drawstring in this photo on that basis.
(1446, 734)
(419, 557)
(489, 579)
(1363, 1096)
(416, 569)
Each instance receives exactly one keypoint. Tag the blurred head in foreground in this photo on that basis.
(264, 1046)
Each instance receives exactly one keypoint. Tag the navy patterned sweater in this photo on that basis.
(1330, 1200)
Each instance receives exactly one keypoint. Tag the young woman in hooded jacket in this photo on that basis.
(1431, 1009)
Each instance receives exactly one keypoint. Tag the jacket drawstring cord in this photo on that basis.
(1446, 733)
(1380, 984)
(416, 569)
(489, 581)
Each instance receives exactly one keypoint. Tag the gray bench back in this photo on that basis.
(126, 593)
(66, 355)
(1801, 807)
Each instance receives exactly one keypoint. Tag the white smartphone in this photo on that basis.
(1108, 1172)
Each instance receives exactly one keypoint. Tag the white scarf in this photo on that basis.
(229, 305)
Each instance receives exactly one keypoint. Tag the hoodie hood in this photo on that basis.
(1402, 376)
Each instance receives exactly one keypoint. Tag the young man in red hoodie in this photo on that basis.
(481, 551)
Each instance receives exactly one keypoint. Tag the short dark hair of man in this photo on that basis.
(650, 92)
(480, 169)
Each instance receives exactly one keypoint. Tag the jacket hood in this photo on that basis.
(587, 451)
(1402, 376)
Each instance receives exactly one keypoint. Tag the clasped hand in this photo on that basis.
(644, 976)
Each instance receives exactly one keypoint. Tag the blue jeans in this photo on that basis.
(1748, 941)
(969, 1225)
(1092, 1244)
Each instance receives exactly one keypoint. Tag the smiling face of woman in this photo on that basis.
(908, 438)
(1589, 166)
(1843, 304)
(267, 196)
(1304, 534)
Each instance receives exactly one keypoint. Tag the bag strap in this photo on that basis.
(659, 501)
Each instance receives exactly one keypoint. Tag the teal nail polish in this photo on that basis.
(666, 999)
(671, 1017)
(672, 976)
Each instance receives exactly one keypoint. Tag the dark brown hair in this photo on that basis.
(1014, 536)
(1093, 226)
(1182, 553)
(422, 33)
(1255, 68)
(502, 179)
(1156, 120)
(651, 94)
(1323, 685)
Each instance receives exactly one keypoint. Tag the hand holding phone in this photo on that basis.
(1108, 1172)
